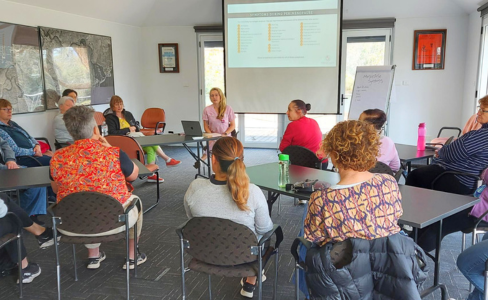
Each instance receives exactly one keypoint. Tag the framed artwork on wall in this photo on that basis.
(79, 61)
(429, 49)
(20, 68)
(168, 58)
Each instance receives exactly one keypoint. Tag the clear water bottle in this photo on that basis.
(284, 170)
(421, 137)
(104, 129)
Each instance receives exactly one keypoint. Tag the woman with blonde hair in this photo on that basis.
(229, 195)
(218, 117)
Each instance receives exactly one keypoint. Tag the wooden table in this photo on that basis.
(174, 139)
(421, 207)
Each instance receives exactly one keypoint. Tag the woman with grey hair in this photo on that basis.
(106, 170)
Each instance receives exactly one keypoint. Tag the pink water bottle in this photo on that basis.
(421, 137)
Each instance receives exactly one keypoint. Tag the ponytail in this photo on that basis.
(229, 153)
(238, 183)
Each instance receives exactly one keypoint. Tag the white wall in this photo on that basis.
(472, 57)
(177, 93)
(431, 96)
(126, 45)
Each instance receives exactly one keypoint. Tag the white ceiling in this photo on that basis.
(209, 12)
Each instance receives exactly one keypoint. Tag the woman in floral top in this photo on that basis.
(361, 205)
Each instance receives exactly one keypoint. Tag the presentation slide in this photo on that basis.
(273, 35)
(278, 51)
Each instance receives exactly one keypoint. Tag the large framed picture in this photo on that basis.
(168, 58)
(429, 49)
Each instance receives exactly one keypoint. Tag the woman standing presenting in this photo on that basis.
(218, 117)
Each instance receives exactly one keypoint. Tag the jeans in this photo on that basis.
(472, 264)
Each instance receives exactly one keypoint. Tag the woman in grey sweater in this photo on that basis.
(229, 195)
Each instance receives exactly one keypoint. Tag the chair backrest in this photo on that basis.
(219, 241)
(302, 156)
(99, 118)
(127, 144)
(88, 213)
(152, 116)
(382, 168)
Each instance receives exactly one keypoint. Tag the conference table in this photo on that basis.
(175, 139)
(409, 153)
(25, 178)
(421, 207)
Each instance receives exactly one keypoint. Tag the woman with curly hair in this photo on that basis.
(361, 205)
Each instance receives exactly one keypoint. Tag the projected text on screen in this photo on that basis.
(290, 34)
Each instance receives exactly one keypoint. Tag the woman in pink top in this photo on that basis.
(388, 152)
(218, 117)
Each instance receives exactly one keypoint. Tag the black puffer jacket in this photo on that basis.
(381, 269)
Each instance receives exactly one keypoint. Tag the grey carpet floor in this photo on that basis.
(159, 277)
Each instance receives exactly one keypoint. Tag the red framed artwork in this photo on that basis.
(429, 49)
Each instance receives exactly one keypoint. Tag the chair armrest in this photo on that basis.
(130, 207)
(279, 236)
(157, 127)
(476, 176)
(294, 247)
(480, 219)
(179, 229)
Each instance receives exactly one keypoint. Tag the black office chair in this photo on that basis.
(12, 237)
(224, 248)
(382, 168)
(301, 156)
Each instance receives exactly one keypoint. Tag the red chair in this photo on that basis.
(132, 148)
(152, 120)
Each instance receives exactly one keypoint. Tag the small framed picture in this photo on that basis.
(168, 58)
(429, 49)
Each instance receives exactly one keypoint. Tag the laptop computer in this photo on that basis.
(192, 128)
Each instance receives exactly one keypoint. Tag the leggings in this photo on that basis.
(151, 153)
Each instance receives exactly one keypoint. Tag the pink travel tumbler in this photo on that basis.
(421, 137)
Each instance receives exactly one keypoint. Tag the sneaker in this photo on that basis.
(30, 272)
(243, 279)
(46, 239)
(94, 263)
(173, 162)
(154, 178)
(248, 290)
(302, 202)
(141, 258)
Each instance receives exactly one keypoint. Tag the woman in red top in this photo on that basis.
(302, 131)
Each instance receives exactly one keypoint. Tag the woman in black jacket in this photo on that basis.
(122, 122)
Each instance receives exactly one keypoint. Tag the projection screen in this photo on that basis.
(278, 51)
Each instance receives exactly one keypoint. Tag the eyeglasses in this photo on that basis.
(481, 110)
(6, 109)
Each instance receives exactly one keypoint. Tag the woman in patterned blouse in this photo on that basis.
(361, 205)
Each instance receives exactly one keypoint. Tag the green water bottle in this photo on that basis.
(284, 164)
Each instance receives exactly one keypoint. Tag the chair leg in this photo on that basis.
(279, 205)
(182, 258)
(19, 254)
(463, 242)
(74, 262)
(56, 250)
(209, 286)
(260, 274)
(127, 252)
(297, 279)
(135, 250)
(275, 286)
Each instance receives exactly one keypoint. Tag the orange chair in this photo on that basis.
(99, 117)
(152, 120)
(132, 148)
